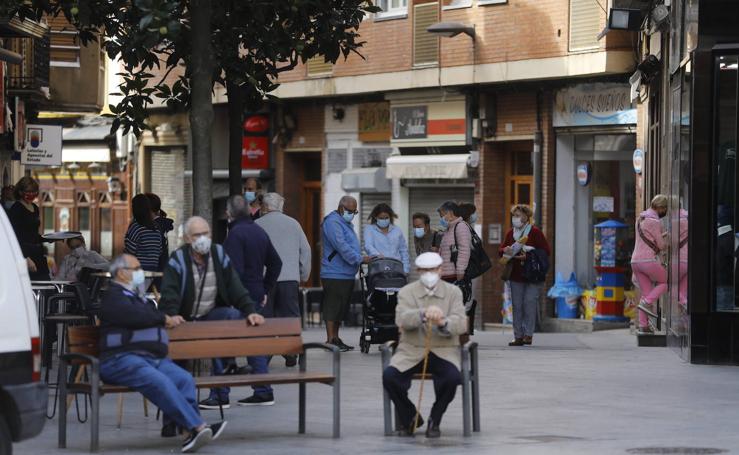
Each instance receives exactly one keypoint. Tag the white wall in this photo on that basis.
(564, 222)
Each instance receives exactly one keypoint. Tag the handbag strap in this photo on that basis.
(644, 238)
(202, 285)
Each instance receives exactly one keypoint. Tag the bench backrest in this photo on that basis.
(211, 339)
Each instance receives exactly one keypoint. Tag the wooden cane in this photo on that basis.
(427, 350)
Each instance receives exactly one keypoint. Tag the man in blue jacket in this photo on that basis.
(258, 264)
(340, 262)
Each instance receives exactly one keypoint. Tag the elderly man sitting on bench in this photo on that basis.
(133, 352)
(435, 305)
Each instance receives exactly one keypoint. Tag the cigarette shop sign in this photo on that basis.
(594, 105)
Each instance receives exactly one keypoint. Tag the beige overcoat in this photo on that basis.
(413, 300)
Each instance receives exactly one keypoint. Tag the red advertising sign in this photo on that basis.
(255, 152)
(256, 124)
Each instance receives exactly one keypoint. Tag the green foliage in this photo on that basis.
(253, 41)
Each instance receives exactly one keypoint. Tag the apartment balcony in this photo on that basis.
(30, 78)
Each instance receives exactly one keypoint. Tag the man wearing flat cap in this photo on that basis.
(435, 305)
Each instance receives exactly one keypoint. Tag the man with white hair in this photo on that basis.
(200, 284)
(291, 244)
(435, 305)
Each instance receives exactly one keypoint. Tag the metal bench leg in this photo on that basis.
(301, 408)
(337, 394)
(466, 393)
(302, 364)
(95, 412)
(387, 413)
(475, 389)
(62, 443)
(120, 410)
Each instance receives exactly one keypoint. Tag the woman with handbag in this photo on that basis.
(646, 261)
(519, 244)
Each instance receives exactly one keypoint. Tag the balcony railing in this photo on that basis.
(32, 75)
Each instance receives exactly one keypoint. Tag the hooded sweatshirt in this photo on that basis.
(652, 230)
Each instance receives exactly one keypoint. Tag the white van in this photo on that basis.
(23, 396)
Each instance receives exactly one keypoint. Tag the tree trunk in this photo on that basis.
(235, 135)
(201, 112)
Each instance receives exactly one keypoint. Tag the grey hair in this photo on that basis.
(117, 264)
(273, 202)
(346, 199)
(237, 206)
(189, 222)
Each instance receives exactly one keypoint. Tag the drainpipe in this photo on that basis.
(536, 157)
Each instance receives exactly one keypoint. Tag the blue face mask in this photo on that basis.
(444, 223)
(348, 217)
(419, 232)
(473, 218)
(137, 278)
(383, 223)
(250, 196)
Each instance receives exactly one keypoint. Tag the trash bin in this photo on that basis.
(566, 295)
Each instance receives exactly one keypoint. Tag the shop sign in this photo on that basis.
(594, 105)
(43, 145)
(638, 161)
(583, 174)
(410, 122)
(19, 138)
(256, 124)
(255, 152)
(374, 122)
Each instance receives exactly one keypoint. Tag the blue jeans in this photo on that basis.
(221, 313)
(169, 387)
(260, 364)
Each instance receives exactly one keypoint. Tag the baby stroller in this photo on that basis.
(380, 288)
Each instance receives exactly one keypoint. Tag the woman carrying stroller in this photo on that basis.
(383, 239)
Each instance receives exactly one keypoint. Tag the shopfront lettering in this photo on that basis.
(410, 122)
(594, 104)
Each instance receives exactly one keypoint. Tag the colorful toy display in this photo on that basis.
(611, 280)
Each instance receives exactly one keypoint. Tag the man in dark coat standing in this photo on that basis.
(258, 265)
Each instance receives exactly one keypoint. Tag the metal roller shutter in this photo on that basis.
(367, 202)
(427, 200)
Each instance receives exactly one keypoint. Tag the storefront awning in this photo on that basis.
(85, 153)
(428, 166)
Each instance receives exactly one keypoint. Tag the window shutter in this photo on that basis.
(64, 44)
(585, 24)
(425, 44)
(318, 66)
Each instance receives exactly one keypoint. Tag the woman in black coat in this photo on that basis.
(26, 220)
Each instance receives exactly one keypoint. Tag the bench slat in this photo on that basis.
(213, 330)
(208, 349)
(205, 382)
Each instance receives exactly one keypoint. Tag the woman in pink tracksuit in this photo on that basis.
(683, 260)
(646, 264)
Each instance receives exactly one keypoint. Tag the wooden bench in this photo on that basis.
(470, 388)
(204, 340)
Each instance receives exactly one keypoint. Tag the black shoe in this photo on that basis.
(516, 342)
(169, 430)
(197, 440)
(343, 347)
(432, 429)
(214, 403)
(404, 430)
(291, 360)
(266, 399)
(217, 428)
(233, 369)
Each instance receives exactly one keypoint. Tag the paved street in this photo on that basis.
(571, 393)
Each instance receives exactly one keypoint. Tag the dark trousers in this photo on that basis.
(446, 379)
(285, 299)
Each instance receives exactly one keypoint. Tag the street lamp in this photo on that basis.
(450, 29)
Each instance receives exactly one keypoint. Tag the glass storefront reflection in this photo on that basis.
(726, 189)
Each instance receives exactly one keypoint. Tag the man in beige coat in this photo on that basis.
(429, 302)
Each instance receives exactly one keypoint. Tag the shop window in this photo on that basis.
(47, 215)
(83, 223)
(726, 197)
(106, 232)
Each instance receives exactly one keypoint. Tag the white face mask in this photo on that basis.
(201, 245)
(430, 279)
(517, 222)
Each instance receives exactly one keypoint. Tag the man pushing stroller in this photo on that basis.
(430, 315)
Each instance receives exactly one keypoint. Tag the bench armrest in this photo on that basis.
(387, 350)
(92, 360)
(327, 347)
(470, 346)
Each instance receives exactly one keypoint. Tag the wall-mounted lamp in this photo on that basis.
(450, 29)
(622, 19)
